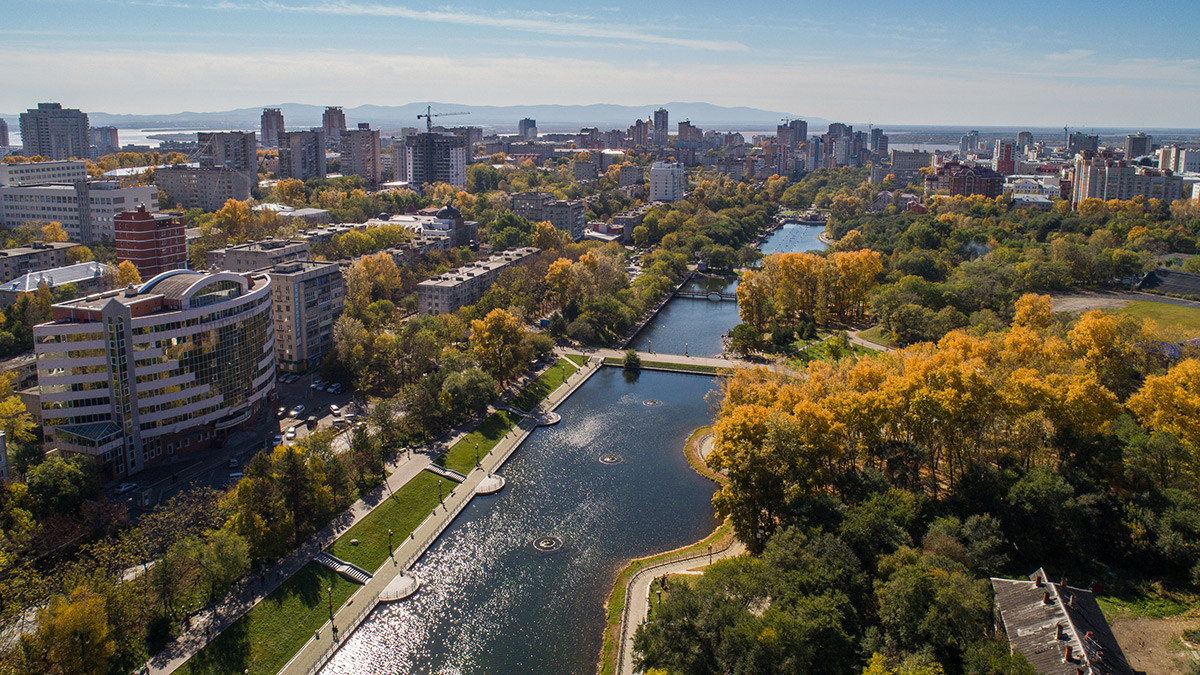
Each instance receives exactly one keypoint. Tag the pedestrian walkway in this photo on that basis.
(208, 622)
(637, 595)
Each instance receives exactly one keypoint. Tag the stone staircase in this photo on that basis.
(349, 570)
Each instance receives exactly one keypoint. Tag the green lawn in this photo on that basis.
(547, 382)
(461, 457)
(1155, 605)
(1174, 321)
(267, 637)
(877, 335)
(402, 511)
(578, 359)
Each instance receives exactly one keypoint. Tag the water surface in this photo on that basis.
(692, 325)
(794, 238)
(490, 602)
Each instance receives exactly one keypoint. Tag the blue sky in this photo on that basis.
(1094, 63)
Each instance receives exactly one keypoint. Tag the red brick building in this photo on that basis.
(953, 178)
(153, 242)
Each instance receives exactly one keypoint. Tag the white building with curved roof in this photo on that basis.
(132, 375)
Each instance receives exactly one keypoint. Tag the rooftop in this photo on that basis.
(59, 276)
(1058, 628)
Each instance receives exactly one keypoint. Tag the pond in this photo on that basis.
(517, 584)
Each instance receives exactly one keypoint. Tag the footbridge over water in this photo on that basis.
(711, 295)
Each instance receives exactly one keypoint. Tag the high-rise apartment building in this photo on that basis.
(1138, 145)
(661, 127)
(153, 242)
(568, 215)
(333, 123)
(174, 365)
(639, 134)
(1103, 178)
(1081, 142)
(1024, 140)
(307, 299)
(54, 132)
(969, 143)
(236, 150)
(1004, 158)
(3, 133)
(668, 182)
(432, 158)
(792, 133)
(631, 174)
(953, 178)
(105, 141)
(272, 126)
(360, 153)
(876, 135)
(527, 129)
(87, 210)
(43, 173)
(302, 154)
(206, 189)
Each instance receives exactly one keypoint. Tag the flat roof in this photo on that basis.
(29, 282)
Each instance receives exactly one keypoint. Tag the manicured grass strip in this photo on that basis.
(1176, 321)
(264, 640)
(547, 382)
(679, 367)
(402, 511)
(578, 359)
(615, 606)
(692, 452)
(461, 457)
(877, 335)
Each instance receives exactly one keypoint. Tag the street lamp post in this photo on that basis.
(477, 454)
(390, 542)
(709, 553)
(330, 590)
(439, 490)
(659, 596)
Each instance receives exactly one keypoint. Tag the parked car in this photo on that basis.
(341, 423)
(311, 422)
(335, 388)
(126, 487)
(333, 408)
(317, 384)
(291, 434)
(278, 440)
(235, 476)
(297, 411)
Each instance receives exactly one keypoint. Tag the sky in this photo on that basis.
(1087, 64)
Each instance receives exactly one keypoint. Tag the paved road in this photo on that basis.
(639, 596)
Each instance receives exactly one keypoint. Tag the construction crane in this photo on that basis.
(428, 117)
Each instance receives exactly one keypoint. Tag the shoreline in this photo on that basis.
(613, 647)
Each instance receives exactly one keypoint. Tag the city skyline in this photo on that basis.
(934, 63)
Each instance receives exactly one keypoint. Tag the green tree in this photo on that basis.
(497, 342)
(61, 486)
(632, 361)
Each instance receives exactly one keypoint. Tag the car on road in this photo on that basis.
(297, 411)
(124, 488)
(335, 388)
(333, 408)
(233, 463)
(278, 440)
(235, 476)
(291, 434)
(281, 413)
(317, 384)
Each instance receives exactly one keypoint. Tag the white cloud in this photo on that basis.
(536, 22)
(1071, 55)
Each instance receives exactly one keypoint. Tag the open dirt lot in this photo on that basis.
(1153, 646)
(1082, 301)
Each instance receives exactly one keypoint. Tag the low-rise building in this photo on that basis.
(631, 174)
(86, 209)
(465, 285)
(568, 215)
(307, 298)
(33, 258)
(87, 277)
(957, 179)
(67, 171)
(1059, 629)
(257, 255)
(132, 375)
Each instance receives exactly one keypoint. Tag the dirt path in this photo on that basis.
(1152, 645)
(1082, 301)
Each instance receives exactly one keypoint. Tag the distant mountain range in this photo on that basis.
(549, 117)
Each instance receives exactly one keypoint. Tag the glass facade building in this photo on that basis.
(128, 376)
